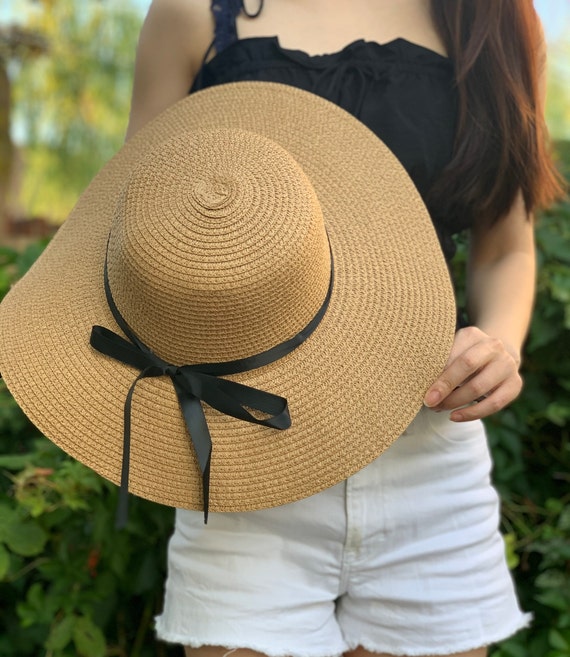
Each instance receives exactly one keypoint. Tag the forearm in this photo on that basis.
(484, 361)
(500, 296)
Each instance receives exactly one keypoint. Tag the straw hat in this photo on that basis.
(249, 221)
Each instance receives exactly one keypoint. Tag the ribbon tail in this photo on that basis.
(206, 490)
(197, 426)
(235, 399)
(123, 503)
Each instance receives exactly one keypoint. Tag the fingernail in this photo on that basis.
(456, 417)
(432, 398)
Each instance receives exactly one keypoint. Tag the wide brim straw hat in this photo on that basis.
(221, 230)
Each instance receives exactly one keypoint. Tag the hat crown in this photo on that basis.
(218, 248)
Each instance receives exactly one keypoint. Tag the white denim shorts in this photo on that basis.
(404, 558)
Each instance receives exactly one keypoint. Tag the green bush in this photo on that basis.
(531, 448)
(71, 586)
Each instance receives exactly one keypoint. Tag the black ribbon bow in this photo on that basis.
(195, 384)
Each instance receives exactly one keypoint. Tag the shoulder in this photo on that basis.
(185, 10)
(183, 23)
(180, 9)
(173, 40)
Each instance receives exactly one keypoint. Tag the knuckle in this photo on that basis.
(497, 345)
(514, 383)
(446, 385)
(469, 361)
(471, 331)
(479, 388)
(496, 403)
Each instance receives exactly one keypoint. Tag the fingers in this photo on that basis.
(472, 350)
(480, 369)
(492, 375)
(491, 403)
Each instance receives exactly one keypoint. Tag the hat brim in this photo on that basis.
(352, 387)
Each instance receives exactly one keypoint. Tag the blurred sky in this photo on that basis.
(555, 16)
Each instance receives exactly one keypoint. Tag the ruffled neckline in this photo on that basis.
(361, 46)
(360, 50)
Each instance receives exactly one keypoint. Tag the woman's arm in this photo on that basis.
(485, 358)
(173, 39)
(501, 277)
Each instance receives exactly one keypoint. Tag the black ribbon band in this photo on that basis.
(195, 384)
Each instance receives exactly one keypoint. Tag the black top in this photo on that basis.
(403, 92)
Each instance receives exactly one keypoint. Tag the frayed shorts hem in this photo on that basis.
(233, 644)
(441, 651)
(396, 651)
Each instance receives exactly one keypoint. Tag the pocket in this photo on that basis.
(462, 447)
(454, 432)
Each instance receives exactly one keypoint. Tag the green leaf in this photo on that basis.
(27, 258)
(551, 579)
(510, 551)
(564, 520)
(5, 282)
(7, 255)
(554, 599)
(512, 648)
(564, 621)
(61, 633)
(88, 638)
(4, 562)
(15, 461)
(558, 641)
(26, 538)
(558, 413)
(32, 611)
(7, 518)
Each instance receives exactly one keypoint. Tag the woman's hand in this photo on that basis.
(480, 369)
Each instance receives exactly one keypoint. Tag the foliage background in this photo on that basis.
(69, 584)
(84, 83)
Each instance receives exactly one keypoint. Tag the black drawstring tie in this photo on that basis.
(195, 384)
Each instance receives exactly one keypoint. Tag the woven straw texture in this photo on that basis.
(217, 213)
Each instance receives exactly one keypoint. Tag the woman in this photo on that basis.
(456, 91)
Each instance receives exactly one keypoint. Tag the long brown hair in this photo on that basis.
(501, 143)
